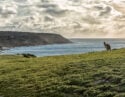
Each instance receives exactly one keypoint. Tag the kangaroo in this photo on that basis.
(107, 46)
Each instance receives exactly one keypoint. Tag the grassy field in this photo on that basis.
(96, 74)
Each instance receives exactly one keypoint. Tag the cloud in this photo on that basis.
(71, 18)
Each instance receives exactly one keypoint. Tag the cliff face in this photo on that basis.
(13, 39)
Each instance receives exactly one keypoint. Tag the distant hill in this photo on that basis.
(14, 39)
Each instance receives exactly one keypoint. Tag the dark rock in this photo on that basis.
(1, 48)
(28, 55)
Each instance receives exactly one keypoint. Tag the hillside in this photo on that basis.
(13, 39)
(96, 74)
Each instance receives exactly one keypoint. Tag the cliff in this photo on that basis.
(14, 39)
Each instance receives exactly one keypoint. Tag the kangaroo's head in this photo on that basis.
(104, 43)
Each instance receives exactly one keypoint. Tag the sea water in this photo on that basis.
(78, 46)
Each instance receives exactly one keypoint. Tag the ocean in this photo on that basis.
(78, 46)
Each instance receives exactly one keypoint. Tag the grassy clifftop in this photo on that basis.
(97, 74)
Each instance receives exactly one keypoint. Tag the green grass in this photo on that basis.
(96, 74)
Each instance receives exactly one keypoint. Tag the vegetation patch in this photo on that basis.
(96, 74)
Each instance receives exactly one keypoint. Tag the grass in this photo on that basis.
(96, 74)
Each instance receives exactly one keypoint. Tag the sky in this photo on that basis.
(70, 18)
